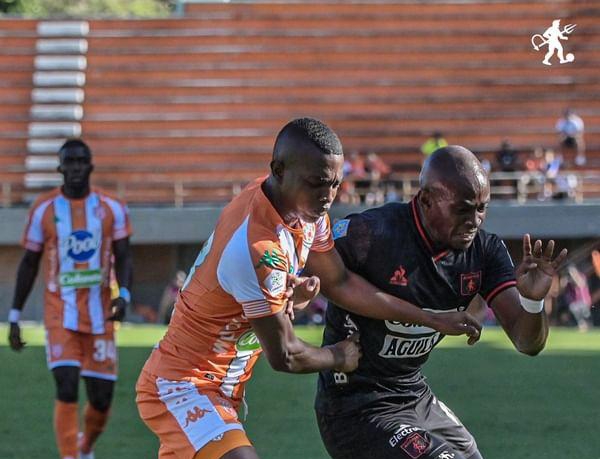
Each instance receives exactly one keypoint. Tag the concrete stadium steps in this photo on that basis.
(283, 77)
(249, 109)
(416, 8)
(394, 142)
(237, 127)
(211, 58)
(202, 97)
(547, 90)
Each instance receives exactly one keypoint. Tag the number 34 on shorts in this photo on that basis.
(96, 355)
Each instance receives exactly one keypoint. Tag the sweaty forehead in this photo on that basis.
(464, 192)
(73, 152)
(321, 165)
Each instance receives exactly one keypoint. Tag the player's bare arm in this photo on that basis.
(123, 272)
(357, 295)
(286, 352)
(515, 307)
(26, 274)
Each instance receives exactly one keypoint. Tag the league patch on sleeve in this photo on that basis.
(275, 282)
(340, 228)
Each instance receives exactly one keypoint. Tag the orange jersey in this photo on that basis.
(240, 273)
(76, 236)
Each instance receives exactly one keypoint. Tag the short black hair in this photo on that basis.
(314, 130)
(74, 143)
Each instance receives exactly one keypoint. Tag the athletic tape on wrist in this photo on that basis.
(124, 293)
(14, 315)
(532, 306)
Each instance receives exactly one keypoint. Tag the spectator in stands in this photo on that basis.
(377, 170)
(535, 168)
(570, 128)
(169, 296)
(578, 297)
(557, 185)
(433, 143)
(507, 157)
(507, 161)
(376, 167)
(354, 171)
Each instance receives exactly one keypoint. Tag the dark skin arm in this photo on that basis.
(26, 274)
(528, 331)
(357, 295)
(123, 271)
(286, 352)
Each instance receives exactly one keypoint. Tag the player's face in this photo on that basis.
(76, 167)
(310, 185)
(455, 219)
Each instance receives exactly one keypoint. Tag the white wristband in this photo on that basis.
(532, 306)
(14, 315)
(124, 293)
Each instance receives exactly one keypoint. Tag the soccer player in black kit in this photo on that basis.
(430, 252)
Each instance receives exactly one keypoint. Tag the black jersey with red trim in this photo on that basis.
(389, 247)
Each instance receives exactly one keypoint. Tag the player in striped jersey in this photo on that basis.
(81, 234)
(235, 299)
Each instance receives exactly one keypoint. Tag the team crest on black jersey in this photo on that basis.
(470, 283)
(416, 445)
(399, 277)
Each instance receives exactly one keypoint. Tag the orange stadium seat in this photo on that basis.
(199, 98)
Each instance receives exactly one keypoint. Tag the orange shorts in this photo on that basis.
(96, 355)
(188, 418)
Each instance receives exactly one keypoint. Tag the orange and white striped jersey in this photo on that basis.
(240, 274)
(76, 236)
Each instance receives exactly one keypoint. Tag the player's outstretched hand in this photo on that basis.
(534, 274)
(119, 306)
(300, 292)
(14, 337)
(458, 323)
(348, 353)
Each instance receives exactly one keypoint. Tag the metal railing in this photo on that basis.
(577, 186)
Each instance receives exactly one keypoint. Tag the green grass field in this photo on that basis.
(547, 407)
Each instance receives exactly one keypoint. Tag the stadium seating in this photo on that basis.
(196, 100)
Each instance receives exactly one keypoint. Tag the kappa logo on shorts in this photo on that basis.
(194, 415)
(415, 445)
(470, 283)
(446, 455)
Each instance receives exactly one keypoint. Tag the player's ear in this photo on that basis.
(277, 169)
(425, 197)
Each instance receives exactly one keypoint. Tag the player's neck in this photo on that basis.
(75, 192)
(275, 197)
(436, 246)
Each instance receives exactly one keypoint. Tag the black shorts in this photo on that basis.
(426, 429)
